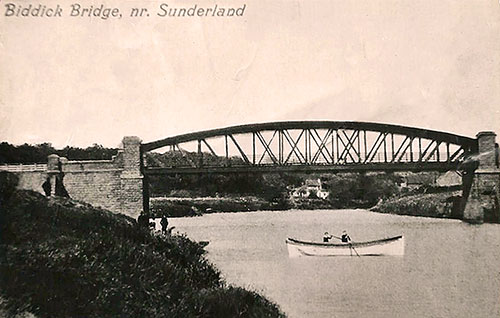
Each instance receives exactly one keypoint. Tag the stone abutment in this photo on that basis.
(482, 186)
(115, 184)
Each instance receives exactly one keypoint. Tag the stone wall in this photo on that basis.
(115, 184)
(32, 180)
(31, 177)
(94, 181)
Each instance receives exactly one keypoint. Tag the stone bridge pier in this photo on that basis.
(482, 186)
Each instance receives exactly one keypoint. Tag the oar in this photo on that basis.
(350, 244)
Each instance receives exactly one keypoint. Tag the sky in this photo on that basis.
(79, 80)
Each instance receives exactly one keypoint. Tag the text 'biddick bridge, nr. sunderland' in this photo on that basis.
(162, 10)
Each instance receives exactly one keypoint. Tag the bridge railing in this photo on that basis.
(23, 167)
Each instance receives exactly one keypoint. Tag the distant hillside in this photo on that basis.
(61, 258)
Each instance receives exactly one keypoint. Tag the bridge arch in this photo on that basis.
(314, 146)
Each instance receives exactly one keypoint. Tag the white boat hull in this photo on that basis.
(394, 246)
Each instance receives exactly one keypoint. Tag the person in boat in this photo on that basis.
(327, 237)
(345, 238)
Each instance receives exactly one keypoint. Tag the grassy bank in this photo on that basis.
(178, 207)
(417, 204)
(193, 206)
(61, 258)
(197, 206)
(442, 205)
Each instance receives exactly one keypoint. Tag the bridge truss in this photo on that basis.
(310, 146)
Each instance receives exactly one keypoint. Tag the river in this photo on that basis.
(450, 268)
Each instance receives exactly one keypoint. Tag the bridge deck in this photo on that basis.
(409, 166)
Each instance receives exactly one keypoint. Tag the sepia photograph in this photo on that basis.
(249, 158)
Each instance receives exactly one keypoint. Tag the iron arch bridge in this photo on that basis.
(307, 146)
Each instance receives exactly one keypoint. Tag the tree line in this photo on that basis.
(29, 154)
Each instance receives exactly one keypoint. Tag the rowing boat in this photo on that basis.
(389, 246)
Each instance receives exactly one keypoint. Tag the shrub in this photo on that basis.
(430, 205)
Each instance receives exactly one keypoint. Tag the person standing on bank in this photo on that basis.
(164, 224)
